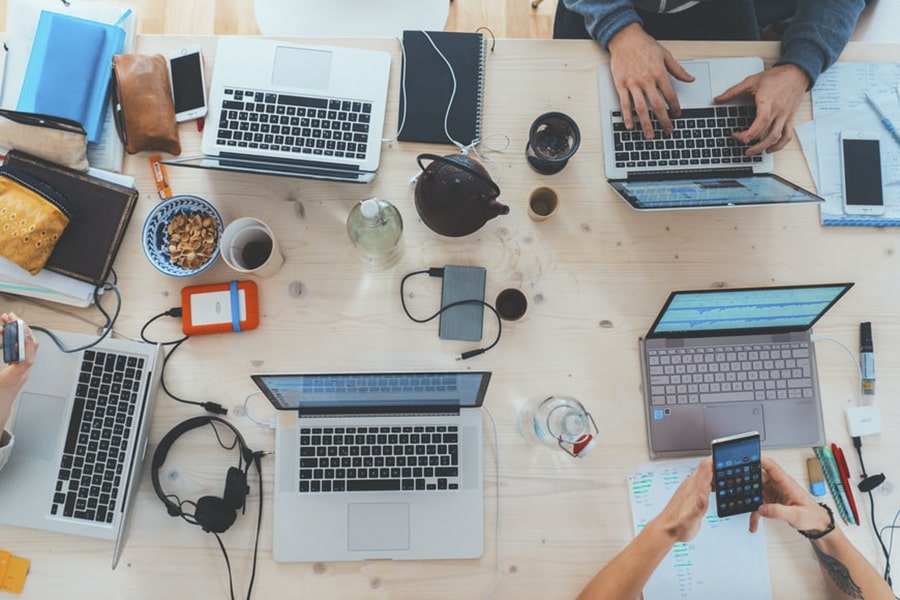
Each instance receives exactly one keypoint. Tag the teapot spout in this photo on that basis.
(495, 209)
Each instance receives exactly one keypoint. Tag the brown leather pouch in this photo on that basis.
(142, 99)
(33, 216)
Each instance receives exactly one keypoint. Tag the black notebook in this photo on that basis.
(429, 85)
(88, 246)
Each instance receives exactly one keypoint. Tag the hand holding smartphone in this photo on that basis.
(737, 474)
(13, 341)
(188, 83)
(861, 173)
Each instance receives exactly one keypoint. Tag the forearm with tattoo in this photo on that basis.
(839, 573)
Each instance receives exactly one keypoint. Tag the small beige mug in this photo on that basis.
(542, 203)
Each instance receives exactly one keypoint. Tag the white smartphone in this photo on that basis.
(861, 173)
(188, 83)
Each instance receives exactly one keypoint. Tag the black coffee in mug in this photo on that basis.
(255, 253)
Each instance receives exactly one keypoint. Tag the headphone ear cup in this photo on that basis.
(236, 488)
(214, 515)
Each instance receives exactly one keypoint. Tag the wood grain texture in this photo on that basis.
(595, 276)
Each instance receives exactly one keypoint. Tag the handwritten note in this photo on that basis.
(724, 556)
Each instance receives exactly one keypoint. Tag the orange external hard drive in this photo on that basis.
(219, 308)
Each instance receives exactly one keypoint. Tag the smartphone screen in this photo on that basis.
(862, 173)
(187, 82)
(737, 474)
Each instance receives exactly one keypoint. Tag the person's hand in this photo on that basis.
(777, 92)
(786, 500)
(640, 69)
(683, 515)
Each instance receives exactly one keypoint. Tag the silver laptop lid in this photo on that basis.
(374, 393)
(745, 311)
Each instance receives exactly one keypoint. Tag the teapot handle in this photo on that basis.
(462, 166)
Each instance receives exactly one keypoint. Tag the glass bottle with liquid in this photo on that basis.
(376, 229)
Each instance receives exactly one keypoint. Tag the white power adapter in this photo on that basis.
(863, 420)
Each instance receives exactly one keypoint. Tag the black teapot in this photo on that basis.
(455, 194)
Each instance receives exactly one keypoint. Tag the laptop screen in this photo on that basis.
(700, 191)
(749, 310)
(350, 392)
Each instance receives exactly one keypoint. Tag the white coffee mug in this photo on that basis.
(248, 246)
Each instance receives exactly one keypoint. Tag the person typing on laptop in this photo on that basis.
(12, 378)
(815, 33)
(847, 573)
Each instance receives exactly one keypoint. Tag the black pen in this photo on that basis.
(867, 358)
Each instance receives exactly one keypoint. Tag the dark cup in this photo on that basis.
(552, 140)
(511, 304)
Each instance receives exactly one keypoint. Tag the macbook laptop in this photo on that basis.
(287, 109)
(698, 165)
(80, 425)
(377, 465)
(718, 362)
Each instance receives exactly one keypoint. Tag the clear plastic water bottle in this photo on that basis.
(376, 228)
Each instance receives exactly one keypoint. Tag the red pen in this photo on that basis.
(845, 478)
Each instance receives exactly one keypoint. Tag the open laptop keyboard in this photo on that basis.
(702, 137)
(95, 454)
(730, 373)
(297, 124)
(386, 458)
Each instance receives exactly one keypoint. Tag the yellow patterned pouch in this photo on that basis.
(33, 216)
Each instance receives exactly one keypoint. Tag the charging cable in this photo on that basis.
(107, 327)
(212, 407)
(439, 272)
(867, 483)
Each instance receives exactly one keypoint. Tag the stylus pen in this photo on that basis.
(888, 124)
(867, 358)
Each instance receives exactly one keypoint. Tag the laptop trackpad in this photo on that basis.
(699, 91)
(38, 419)
(728, 419)
(377, 526)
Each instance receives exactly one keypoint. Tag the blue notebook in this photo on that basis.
(69, 69)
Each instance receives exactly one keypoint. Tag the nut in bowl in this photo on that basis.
(181, 235)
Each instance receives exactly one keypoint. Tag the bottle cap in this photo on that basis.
(369, 208)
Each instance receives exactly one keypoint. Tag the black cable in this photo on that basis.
(439, 272)
(866, 486)
(213, 407)
(107, 327)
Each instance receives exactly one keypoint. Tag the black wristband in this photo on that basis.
(826, 531)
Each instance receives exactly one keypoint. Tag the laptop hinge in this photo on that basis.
(396, 411)
(689, 174)
(277, 160)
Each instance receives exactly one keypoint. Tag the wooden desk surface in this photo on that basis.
(595, 276)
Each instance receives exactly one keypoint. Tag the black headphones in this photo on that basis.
(212, 513)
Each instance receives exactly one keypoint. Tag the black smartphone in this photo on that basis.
(862, 177)
(13, 341)
(737, 474)
(188, 83)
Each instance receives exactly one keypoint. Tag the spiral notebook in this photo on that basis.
(427, 90)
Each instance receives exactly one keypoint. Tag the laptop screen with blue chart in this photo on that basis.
(709, 190)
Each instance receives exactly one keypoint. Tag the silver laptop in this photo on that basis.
(718, 362)
(698, 165)
(81, 425)
(287, 109)
(377, 465)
